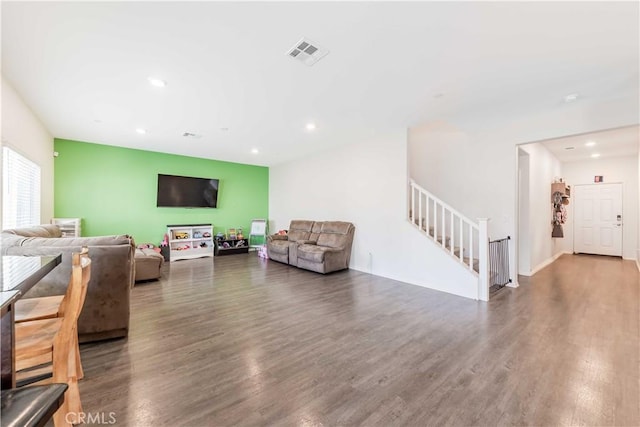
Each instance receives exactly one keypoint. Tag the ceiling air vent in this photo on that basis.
(191, 135)
(307, 52)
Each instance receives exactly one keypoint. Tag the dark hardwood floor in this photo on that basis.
(243, 341)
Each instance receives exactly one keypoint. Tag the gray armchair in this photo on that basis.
(331, 251)
(278, 246)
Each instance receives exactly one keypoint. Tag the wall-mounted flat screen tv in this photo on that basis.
(187, 192)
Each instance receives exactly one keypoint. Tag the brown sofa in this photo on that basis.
(322, 247)
(105, 313)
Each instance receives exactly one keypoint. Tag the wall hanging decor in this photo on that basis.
(560, 193)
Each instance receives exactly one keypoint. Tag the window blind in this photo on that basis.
(20, 190)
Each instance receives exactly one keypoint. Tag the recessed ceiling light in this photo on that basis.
(590, 144)
(141, 131)
(254, 151)
(571, 97)
(569, 148)
(224, 129)
(311, 126)
(595, 155)
(154, 81)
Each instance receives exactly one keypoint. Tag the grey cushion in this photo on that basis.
(335, 234)
(280, 246)
(299, 230)
(45, 230)
(314, 253)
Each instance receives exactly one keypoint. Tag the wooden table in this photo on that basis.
(18, 274)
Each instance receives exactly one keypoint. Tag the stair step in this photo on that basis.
(447, 240)
(476, 264)
(439, 237)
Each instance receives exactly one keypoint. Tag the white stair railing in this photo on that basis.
(464, 239)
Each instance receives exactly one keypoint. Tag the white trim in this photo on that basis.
(545, 263)
(514, 253)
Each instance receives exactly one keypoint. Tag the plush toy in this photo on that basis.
(262, 252)
(282, 232)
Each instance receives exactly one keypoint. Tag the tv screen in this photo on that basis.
(187, 192)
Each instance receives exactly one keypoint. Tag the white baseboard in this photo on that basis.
(545, 263)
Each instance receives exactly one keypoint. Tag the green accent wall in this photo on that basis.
(113, 190)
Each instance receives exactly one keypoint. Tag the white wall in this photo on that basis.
(524, 228)
(618, 169)
(473, 165)
(544, 167)
(23, 132)
(365, 182)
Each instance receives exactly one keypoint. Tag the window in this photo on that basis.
(20, 190)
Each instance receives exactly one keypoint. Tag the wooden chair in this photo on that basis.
(55, 340)
(48, 307)
(39, 308)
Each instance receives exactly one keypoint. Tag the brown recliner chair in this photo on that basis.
(278, 246)
(331, 251)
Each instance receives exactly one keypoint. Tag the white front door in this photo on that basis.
(598, 219)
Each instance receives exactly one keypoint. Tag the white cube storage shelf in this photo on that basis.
(190, 241)
(70, 227)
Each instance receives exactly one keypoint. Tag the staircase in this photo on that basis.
(465, 240)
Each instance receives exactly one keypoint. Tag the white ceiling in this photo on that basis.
(83, 67)
(609, 143)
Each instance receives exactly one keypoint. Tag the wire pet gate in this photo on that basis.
(499, 263)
